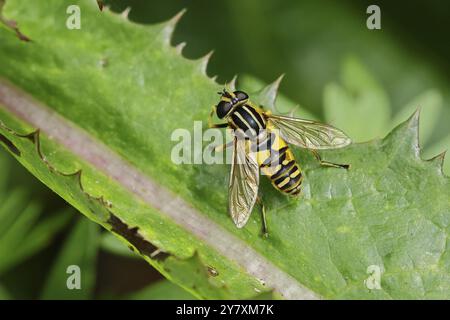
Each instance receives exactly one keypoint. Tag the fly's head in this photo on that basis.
(228, 101)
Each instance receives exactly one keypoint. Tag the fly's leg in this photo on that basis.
(218, 125)
(327, 163)
(263, 217)
(222, 147)
(210, 122)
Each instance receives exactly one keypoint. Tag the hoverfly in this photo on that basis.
(260, 142)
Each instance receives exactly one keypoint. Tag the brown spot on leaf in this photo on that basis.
(13, 26)
(212, 271)
(136, 239)
(100, 4)
(103, 62)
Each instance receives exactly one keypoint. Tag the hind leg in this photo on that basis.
(263, 218)
(327, 163)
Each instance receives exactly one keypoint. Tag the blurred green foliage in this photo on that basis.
(28, 225)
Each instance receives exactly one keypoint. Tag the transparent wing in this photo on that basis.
(244, 181)
(309, 134)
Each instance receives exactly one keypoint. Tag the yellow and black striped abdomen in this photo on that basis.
(277, 162)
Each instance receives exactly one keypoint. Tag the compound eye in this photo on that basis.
(240, 95)
(222, 109)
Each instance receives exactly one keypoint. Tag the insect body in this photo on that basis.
(261, 144)
(273, 154)
(277, 162)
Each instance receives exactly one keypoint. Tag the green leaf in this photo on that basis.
(430, 103)
(440, 148)
(360, 106)
(106, 100)
(161, 290)
(79, 251)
